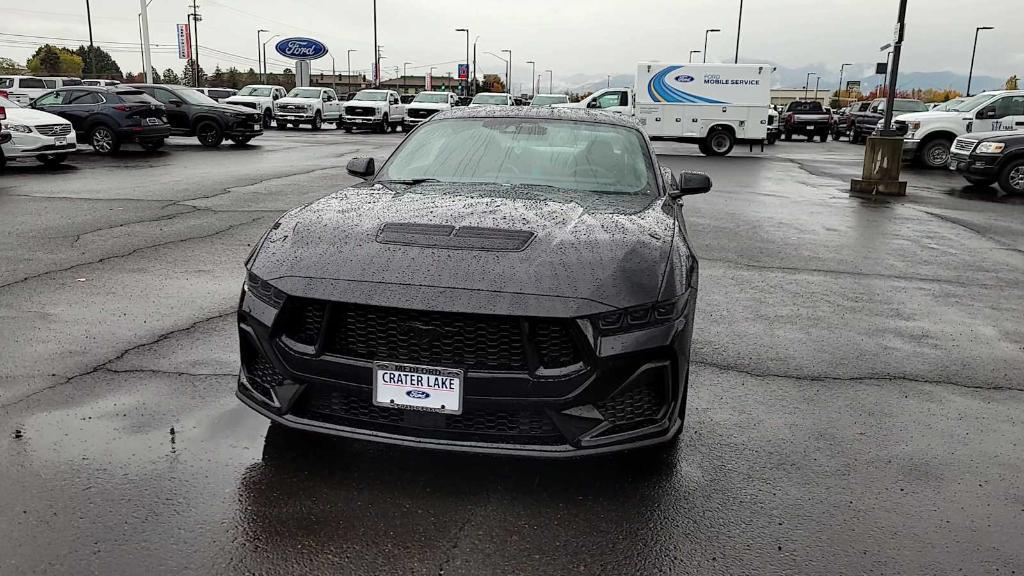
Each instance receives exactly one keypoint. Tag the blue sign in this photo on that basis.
(463, 71)
(301, 49)
(417, 394)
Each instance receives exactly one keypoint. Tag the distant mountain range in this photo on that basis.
(794, 78)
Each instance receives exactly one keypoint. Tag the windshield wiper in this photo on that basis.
(409, 181)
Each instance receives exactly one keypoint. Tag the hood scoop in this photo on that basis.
(451, 237)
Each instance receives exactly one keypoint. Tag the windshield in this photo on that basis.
(6, 82)
(193, 96)
(490, 99)
(431, 98)
(371, 95)
(543, 100)
(136, 97)
(579, 156)
(971, 103)
(948, 106)
(905, 106)
(255, 91)
(304, 93)
(7, 103)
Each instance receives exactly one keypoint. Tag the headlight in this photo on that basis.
(18, 128)
(913, 126)
(378, 112)
(990, 148)
(263, 290)
(640, 317)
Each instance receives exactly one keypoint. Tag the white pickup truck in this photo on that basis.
(425, 105)
(307, 105)
(259, 97)
(929, 135)
(377, 110)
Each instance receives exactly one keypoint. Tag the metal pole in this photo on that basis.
(88, 15)
(533, 72)
(195, 35)
(608, 84)
(376, 50)
(970, 75)
(692, 52)
(334, 76)
(475, 40)
(817, 82)
(261, 62)
(551, 76)
(739, 26)
(807, 83)
(706, 34)
(404, 71)
(348, 77)
(885, 80)
(142, 50)
(839, 89)
(894, 77)
(146, 57)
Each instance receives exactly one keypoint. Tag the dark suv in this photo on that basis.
(192, 113)
(106, 118)
(985, 158)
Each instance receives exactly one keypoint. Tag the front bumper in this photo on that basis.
(32, 144)
(362, 121)
(244, 130)
(280, 116)
(910, 147)
(630, 396)
(985, 166)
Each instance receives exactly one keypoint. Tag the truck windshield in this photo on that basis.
(371, 96)
(490, 99)
(971, 103)
(578, 156)
(304, 93)
(431, 98)
(255, 91)
(547, 100)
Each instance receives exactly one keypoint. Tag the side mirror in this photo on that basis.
(175, 102)
(987, 113)
(361, 167)
(593, 104)
(693, 183)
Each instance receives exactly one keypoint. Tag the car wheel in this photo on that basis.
(318, 122)
(979, 180)
(719, 143)
(241, 140)
(935, 153)
(268, 117)
(338, 125)
(347, 129)
(151, 145)
(854, 137)
(383, 129)
(52, 160)
(1011, 179)
(104, 140)
(209, 134)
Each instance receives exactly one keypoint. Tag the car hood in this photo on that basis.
(428, 105)
(370, 103)
(33, 117)
(930, 115)
(1000, 136)
(607, 249)
(256, 99)
(226, 108)
(293, 100)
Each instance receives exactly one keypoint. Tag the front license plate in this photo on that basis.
(60, 140)
(417, 387)
(153, 121)
(257, 127)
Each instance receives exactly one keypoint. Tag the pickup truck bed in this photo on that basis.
(806, 119)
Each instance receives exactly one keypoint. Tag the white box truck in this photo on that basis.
(711, 105)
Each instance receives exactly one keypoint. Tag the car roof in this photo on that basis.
(540, 113)
(492, 94)
(559, 95)
(87, 88)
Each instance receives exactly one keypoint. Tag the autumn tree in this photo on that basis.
(50, 60)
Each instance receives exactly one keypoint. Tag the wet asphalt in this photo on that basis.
(856, 403)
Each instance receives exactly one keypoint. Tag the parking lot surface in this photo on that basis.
(855, 404)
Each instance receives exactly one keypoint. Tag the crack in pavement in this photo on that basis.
(168, 372)
(104, 366)
(126, 254)
(998, 243)
(852, 273)
(886, 377)
(450, 553)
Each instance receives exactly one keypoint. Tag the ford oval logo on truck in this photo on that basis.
(301, 49)
(684, 78)
(418, 394)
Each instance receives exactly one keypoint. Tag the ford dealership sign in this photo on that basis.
(301, 49)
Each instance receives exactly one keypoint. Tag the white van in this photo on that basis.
(22, 89)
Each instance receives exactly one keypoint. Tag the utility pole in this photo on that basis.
(376, 49)
(533, 72)
(146, 57)
(195, 34)
(739, 26)
(970, 75)
(92, 66)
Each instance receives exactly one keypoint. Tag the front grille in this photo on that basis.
(420, 113)
(359, 111)
(253, 105)
(291, 108)
(343, 406)
(964, 145)
(54, 129)
(634, 408)
(449, 339)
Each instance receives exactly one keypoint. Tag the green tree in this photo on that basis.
(170, 77)
(217, 79)
(98, 62)
(233, 78)
(188, 74)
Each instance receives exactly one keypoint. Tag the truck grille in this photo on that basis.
(964, 145)
(54, 129)
(291, 107)
(420, 113)
(359, 111)
(457, 340)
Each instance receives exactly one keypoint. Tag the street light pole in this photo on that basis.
(146, 56)
(706, 33)
(508, 74)
(817, 82)
(92, 66)
(551, 76)
(839, 90)
(533, 72)
(348, 71)
(893, 78)
(807, 82)
(259, 44)
(466, 30)
(692, 52)
(376, 49)
(473, 84)
(970, 75)
(266, 69)
(739, 26)
(404, 71)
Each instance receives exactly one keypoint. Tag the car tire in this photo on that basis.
(719, 143)
(151, 145)
(268, 119)
(318, 121)
(347, 129)
(935, 153)
(855, 137)
(52, 160)
(1011, 177)
(383, 129)
(241, 140)
(104, 140)
(209, 134)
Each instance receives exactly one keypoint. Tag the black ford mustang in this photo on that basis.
(511, 280)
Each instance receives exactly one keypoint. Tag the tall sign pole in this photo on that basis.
(92, 67)
(147, 61)
(376, 49)
(195, 53)
(894, 75)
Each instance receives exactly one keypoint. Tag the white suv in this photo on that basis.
(36, 134)
(22, 89)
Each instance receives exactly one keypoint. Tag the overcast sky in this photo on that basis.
(591, 37)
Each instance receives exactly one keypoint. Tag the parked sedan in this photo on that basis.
(986, 158)
(45, 137)
(106, 118)
(192, 113)
(511, 280)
